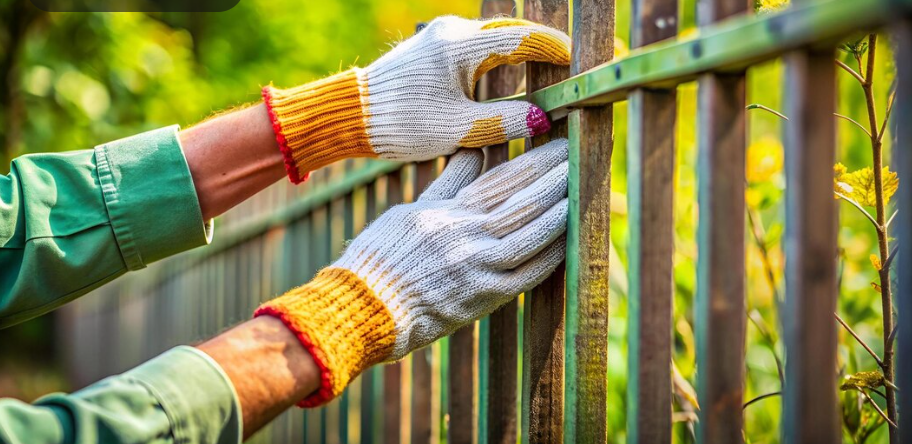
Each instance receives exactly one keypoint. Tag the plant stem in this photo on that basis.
(877, 407)
(760, 398)
(851, 120)
(851, 71)
(860, 341)
(886, 296)
(759, 237)
(848, 199)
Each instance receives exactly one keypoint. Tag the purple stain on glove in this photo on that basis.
(537, 121)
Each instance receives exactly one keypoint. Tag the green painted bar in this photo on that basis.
(484, 359)
(731, 45)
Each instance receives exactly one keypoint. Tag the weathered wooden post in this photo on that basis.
(650, 188)
(810, 412)
(543, 313)
(588, 234)
(497, 345)
(720, 316)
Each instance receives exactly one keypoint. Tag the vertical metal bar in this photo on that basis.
(810, 413)
(369, 400)
(543, 314)
(422, 374)
(720, 317)
(650, 177)
(497, 334)
(392, 373)
(588, 235)
(903, 229)
(348, 232)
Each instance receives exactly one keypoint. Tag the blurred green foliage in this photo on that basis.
(70, 81)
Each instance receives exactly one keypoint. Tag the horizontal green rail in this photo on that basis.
(731, 45)
(319, 196)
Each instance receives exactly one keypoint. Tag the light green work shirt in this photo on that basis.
(71, 222)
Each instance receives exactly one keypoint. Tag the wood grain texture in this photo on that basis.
(588, 235)
(543, 314)
(392, 373)
(720, 317)
(422, 371)
(903, 227)
(650, 177)
(720, 314)
(650, 188)
(497, 334)
(810, 414)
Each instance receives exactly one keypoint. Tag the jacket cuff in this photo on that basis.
(150, 197)
(195, 394)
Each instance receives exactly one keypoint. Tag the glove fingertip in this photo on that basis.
(537, 121)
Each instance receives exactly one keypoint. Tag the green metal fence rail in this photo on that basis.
(536, 369)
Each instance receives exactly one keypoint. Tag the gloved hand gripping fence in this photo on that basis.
(422, 270)
(415, 102)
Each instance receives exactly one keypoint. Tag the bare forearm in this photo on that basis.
(268, 366)
(231, 158)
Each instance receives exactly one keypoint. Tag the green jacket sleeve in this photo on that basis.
(182, 396)
(73, 221)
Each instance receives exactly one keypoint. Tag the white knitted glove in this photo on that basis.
(421, 92)
(462, 250)
(416, 101)
(424, 269)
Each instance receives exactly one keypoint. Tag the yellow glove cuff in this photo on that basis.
(320, 122)
(341, 323)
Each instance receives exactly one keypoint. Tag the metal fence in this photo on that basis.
(469, 388)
